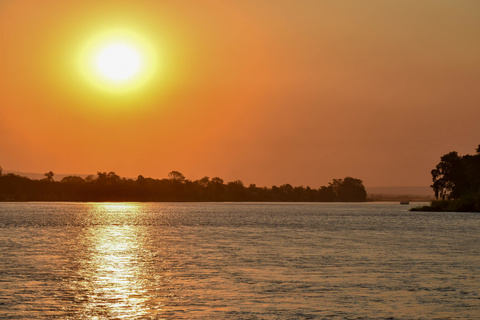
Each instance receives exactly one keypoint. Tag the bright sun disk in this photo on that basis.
(118, 62)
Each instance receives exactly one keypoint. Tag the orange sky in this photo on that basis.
(268, 92)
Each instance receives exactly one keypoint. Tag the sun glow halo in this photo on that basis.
(118, 61)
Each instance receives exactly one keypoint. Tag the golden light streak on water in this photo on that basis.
(114, 207)
(115, 267)
(116, 277)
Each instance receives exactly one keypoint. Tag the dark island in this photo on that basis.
(111, 187)
(456, 183)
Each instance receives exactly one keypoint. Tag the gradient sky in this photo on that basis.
(268, 92)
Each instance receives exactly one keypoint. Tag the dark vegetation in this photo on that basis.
(456, 183)
(111, 187)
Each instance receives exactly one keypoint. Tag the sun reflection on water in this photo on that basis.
(116, 207)
(116, 265)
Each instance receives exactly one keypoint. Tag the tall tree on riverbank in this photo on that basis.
(456, 182)
(447, 176)
(456, 176)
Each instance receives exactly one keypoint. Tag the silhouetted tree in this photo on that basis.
(352, 189)
(113, 178)
(204, 182)
(217, 180)
(49, 176)
(73, 180)
(456, 181)
(1, 171)
(300, 194)
(176, 176)
(286, 192)
(348, 189)
(447, 175)
(216, 189)
(326, 194)
(101, 177)
(236, 191)
(335, 186)
(456, 177)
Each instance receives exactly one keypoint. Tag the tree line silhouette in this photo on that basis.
(456, 183)
(111, 187)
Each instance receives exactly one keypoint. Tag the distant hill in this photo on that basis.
(419, 191)
(405, 193)
(39, 176)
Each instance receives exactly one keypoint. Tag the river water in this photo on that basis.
(237, 261)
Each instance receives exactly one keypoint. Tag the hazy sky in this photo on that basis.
(268, 92)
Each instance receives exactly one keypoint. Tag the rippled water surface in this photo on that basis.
(237, 261)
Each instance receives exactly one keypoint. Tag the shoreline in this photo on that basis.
(457, 205)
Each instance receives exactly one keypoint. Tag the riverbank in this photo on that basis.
(469, 204)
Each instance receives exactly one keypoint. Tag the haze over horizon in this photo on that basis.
(267, 92)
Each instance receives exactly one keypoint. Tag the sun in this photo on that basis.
(118, 61)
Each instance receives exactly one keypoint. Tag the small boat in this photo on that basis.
(404, 202)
